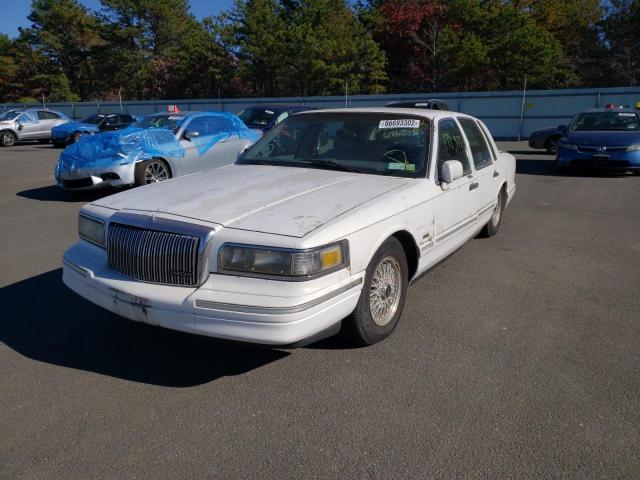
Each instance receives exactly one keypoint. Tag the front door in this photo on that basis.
(28, 126)
(454, 212)
(209, 142)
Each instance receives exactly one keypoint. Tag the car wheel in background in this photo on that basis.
(7, 139)
(552, 145)
(382, 298)
(76, 136)
(493, 225)
(152, 171)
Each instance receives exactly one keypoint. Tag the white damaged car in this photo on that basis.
(322, 223)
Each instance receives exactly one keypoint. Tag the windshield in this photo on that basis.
(9, 115)
(375, 143)
(92, 119)
(606, 121)
(170, 122)
(260, 117)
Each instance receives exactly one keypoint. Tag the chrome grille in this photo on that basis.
(152, 255)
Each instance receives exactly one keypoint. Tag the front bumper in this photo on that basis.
(618, 160)
(235, 308)
(95, 177)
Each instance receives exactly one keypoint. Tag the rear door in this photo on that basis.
(46, 121)
(455, 212)
(483, 161)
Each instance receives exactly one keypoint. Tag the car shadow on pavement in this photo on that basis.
(52, 193)
(45, 321)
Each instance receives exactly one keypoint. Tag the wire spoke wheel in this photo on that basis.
(497, 211)
(155, 172)
(385, 291)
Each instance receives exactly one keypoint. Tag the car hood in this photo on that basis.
(120, 147)
(279, 200)
(604, 139)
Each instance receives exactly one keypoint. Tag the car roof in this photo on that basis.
(618, 110)
(188, 113)
(280, 107)
(415, 112)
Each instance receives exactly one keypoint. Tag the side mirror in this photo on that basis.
(20, 126)
(191, 135)
(451, 170)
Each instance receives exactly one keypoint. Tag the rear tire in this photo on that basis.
(7, 138)
(493, 225)
(151, 171)
(382, 298)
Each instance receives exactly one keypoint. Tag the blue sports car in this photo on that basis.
(159, 147)
(602, 138)
(70, 132)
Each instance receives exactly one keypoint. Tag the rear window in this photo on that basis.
(170, 122)
(258, 117)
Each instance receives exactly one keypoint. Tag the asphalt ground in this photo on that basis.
(517, 357)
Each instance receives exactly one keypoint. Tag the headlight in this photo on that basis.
(634, 148)
(91, 229)
(283, 263)
(568, 146)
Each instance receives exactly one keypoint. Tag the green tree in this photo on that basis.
(65, 32)
(304, 47)
(622, 28)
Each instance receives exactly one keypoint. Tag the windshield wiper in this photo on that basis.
(332, 165)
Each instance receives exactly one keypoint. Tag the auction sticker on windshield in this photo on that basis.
(400, 123)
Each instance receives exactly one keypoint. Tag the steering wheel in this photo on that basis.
(396, 155)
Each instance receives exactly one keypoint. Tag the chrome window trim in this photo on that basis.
(287, 278)
(161, 224)
(232, 307)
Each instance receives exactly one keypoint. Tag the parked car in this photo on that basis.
(158, 147)
(547, 138)
(29, 124)
(65, 134)
(432, 104)
(602, 138)
(265, 117)
(323, 222)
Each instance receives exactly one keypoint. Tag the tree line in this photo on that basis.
(156, 49)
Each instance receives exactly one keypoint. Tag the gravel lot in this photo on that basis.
(517, 357)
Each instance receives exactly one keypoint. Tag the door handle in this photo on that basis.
(495, 174)
(474, 185)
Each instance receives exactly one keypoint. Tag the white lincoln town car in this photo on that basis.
(319, 226)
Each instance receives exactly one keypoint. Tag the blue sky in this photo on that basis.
(16, 14)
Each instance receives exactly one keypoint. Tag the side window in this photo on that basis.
(28, 117)
(281, 117)
(477, 143)
(111, 120)
(488, 138)
(42, 115)
(451, 145)
(210, 126)
(125, 119)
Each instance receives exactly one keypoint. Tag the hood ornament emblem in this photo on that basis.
(602, 149)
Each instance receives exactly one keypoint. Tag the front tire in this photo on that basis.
(151, 171)
(8, 139)
(551, 146)
(383, 296)
(493, 225)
